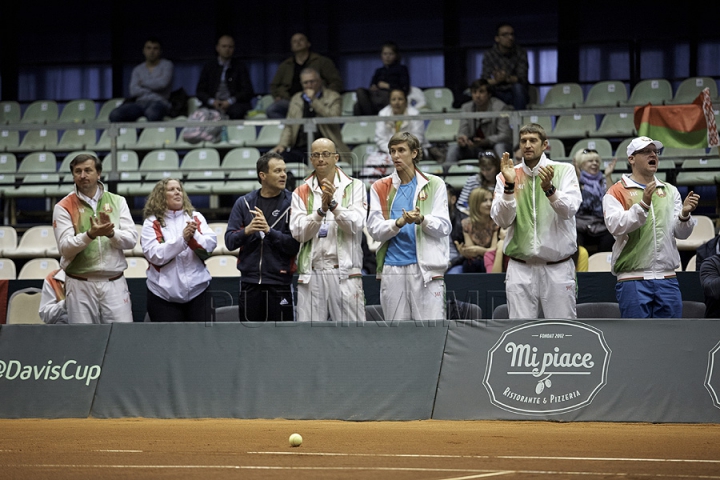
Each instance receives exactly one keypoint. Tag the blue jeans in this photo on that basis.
(278, 109)
(649, 298)
(154, 111)
(516, 96)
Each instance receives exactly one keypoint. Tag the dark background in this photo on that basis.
(81, 32)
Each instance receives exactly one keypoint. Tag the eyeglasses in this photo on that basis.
(506, 34)
(316, 155)
(650, 151)
(589, 150)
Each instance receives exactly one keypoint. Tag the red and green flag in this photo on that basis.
(680, 126)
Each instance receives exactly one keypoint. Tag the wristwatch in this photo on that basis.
(320, 212)
(332, 205)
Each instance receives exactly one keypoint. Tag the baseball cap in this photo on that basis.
(641, 142)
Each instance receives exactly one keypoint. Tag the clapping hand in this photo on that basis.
(690, 203)
(610, 167)
(328, 190)
(189, 231)
(101, 226)
(413, 216)
(258, 224)
(507, 167)
(546, 175)
(648, 193)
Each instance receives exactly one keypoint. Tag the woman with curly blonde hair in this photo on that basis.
(176, 240)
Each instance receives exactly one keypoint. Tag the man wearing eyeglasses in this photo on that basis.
(313, 101)
(645, 216)
(328, 216)
(505, 67)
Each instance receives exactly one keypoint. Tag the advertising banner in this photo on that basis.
(50, 371)
(591, 370)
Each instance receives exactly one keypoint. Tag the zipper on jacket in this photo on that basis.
(655, 239)
(262, 246)
(535, 220)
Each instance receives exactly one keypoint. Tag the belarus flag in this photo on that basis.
(680, 126)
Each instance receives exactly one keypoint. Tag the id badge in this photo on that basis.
(323, 230)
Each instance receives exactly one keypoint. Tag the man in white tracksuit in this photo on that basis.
(646, 216)
(409, 215)
(92, 228)
(327, 218)
(537, 201)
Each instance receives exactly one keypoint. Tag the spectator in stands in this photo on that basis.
(378, 162)
(398, 106)
(150, 86)
(589, 220)
(176, 240)
(710, 281)
(707, 250)
(92, 229)
(391, 76)
(287, 83)
(259, 226)
(480, 234)
(331, 256)
(224, 82)
(646, 216)
(489, 165)
(505, 67)
(456, 234)
(517, 155)
(409, 215)
(536, 202)
(478, 134)
(52, 300)
(313, 101)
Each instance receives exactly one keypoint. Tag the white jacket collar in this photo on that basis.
(421, 178)
(630, 183)
(543, 162)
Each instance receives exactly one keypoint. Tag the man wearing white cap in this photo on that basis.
(645, 216)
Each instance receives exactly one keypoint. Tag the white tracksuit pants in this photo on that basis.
(404, 295)
(97, 301)
(530, 287)
(328, 297)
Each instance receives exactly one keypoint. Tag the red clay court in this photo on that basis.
(429, 450)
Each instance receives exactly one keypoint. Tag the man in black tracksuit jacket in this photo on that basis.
(259, 226)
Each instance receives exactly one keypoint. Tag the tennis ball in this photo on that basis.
(295, 440)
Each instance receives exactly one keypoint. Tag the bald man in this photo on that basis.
(327, 217)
